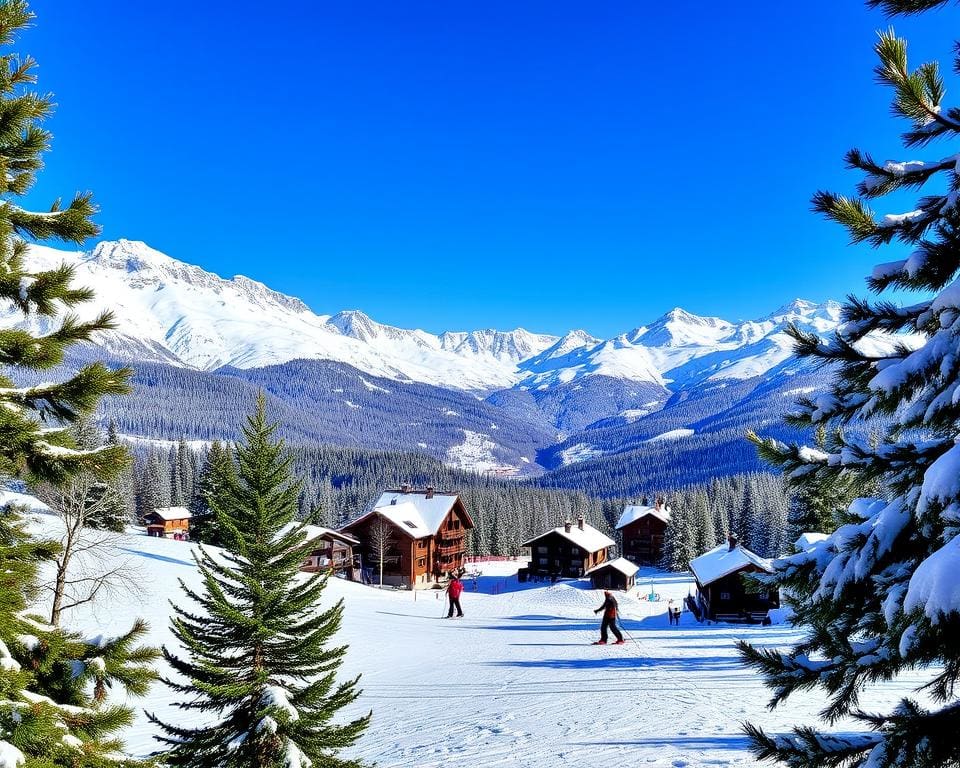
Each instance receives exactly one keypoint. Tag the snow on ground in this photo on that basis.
(474, 453)
(579, 452)
(194, 445)
(673, 434)
(516, 682)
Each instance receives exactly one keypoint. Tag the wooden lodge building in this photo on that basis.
(722, 592)
(333, 552)
(619, 573)
(421, 536)
(168, 522)
(568, 551)
(642, 530)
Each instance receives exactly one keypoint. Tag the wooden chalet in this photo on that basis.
(426, 537)
(613, 574)
(642, 529)
(168, 522)
(333, 553)
(568, 551)
(723, 594)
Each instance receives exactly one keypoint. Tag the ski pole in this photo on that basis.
(624, 630)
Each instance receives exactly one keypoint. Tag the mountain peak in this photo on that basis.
(354, 323)
(130, 255)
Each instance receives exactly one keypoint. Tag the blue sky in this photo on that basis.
(457, 165)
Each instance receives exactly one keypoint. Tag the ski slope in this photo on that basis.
(516, 682)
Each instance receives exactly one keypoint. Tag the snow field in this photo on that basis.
(513, 683)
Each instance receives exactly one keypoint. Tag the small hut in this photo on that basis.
(169, 522)
(722, 592)
(333, 553)
(615, 574)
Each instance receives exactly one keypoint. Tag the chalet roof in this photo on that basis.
(172, 513)
(620, 564)
(589, 538)
(634, 512)
(722, 561)
(432, 507)
(318, 531)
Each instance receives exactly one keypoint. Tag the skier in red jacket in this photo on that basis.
(609, 609)
(454, 590)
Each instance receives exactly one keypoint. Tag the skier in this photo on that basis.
(454, 590)
(609, 609)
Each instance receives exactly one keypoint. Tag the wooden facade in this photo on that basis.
(614, 574)
(734, 598)
(168, 522)
(642, 531)
(335, 555)
(724, 593)
(567, 552)
(427, 539)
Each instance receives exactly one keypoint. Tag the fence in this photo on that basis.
(493, 558)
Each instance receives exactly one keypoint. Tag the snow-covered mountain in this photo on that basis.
(171, 312)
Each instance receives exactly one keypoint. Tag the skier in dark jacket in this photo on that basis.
(609, 609)
(454, 590)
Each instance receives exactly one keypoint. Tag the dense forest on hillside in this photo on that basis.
(341, 483)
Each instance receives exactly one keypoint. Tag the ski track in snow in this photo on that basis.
(516, 681)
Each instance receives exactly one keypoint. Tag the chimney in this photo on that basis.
(658, 505)
(405, 488)
(567, 525)
(580, 522)
(732, 541)
(429, 493)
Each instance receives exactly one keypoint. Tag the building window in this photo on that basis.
(421, 543)
(724, 595)
(541, 550)
(574, 550)
(422, 562)
(543, 561)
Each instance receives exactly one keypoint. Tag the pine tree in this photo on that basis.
(218, 472)
(52, 683)
(30, 439)
(881, 594)
(259, 663)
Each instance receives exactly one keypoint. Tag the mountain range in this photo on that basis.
(481, 398)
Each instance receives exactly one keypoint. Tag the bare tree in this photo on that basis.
(380, 539)
(87, 564)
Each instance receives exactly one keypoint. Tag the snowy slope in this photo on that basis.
(515, 682)
(173, 312)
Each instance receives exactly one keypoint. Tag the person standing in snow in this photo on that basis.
(454, 590)
(609, 622)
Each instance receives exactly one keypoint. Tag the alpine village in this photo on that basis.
(236, 532)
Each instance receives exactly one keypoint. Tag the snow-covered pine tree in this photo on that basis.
(53, 684)
(881, 594)
(260, 666)
(34, 420)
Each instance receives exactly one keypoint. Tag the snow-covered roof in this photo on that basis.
(722, 561)
(173, 513)
(588, 537)
(621, 564)
(634, 512)
(318, 531)
(416, 513)
(432, 508)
